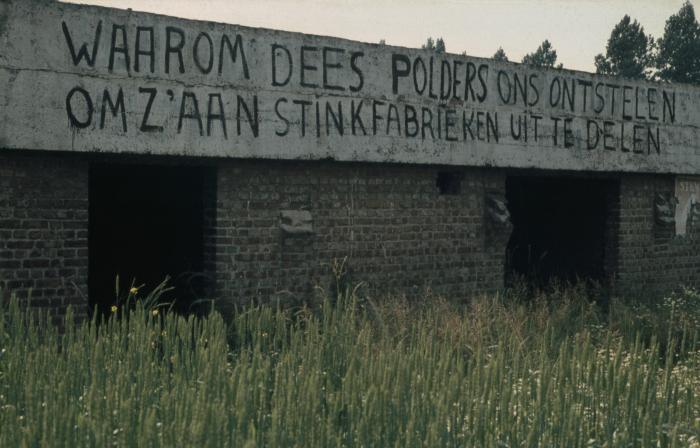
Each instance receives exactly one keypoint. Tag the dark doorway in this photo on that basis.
(560, 227)
(146, 224)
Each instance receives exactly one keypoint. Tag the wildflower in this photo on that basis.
(133, 290)
(114, 308)
(154, 312)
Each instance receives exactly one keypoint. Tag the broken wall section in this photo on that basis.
(651, 257)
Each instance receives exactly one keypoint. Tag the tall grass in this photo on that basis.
(555, 371)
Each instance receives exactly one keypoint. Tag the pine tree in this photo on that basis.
(438, 46)
(500, 55)
(545, 56)
(678, 58)
(628, 52)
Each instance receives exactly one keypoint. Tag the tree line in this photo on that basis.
(630, 52)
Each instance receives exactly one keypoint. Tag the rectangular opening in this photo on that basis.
(448, 182)
(146, 223)
(561, 228)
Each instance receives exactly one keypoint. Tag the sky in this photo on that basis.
(578, 29)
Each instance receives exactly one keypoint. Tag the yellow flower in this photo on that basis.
(114, 308)
(133, 290)
(154, 312)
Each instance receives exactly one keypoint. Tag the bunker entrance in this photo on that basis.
(146, 223)
(560, 229)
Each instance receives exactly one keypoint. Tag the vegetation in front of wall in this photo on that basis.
(553, 370)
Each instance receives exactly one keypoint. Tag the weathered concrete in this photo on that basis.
(83, 78)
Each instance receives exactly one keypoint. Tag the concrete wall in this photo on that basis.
(91, 79)
(44, 230)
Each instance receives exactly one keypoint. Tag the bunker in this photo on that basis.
(243, 163)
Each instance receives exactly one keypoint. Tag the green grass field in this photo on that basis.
(556, 370)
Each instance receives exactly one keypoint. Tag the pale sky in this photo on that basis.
(578, 29)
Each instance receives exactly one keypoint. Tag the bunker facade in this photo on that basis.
(245, 163)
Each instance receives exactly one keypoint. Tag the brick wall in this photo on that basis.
(43, 230)
(650, 257)
(399, 234)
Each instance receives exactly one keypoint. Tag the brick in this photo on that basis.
(358, 222)
(665, 262)
(36, 264)
(398, 234)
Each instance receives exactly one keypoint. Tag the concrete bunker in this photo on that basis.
(146, 223)
(398, 159)
(561, 228)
